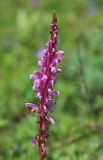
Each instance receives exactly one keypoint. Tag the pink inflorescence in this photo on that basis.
(43, 82)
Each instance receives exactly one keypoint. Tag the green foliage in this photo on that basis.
(78, 133)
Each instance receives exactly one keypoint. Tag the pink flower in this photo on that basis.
(43, 82)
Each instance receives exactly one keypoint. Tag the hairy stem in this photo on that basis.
(40, 130)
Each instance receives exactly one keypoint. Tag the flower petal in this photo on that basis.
(51, 104)
(60, 52)
(39, 95)
(55, 93)
(58, 71)
(44, 150)
(44, 77)
(39, 63)
(34, 140)
(32, 76)
(38, 73)
(50, 119)
(45, 109)
(33, 106)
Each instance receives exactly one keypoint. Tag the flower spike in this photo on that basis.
(43, 82)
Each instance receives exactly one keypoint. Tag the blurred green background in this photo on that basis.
(24, 31)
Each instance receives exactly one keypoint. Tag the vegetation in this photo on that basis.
(78, 133)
